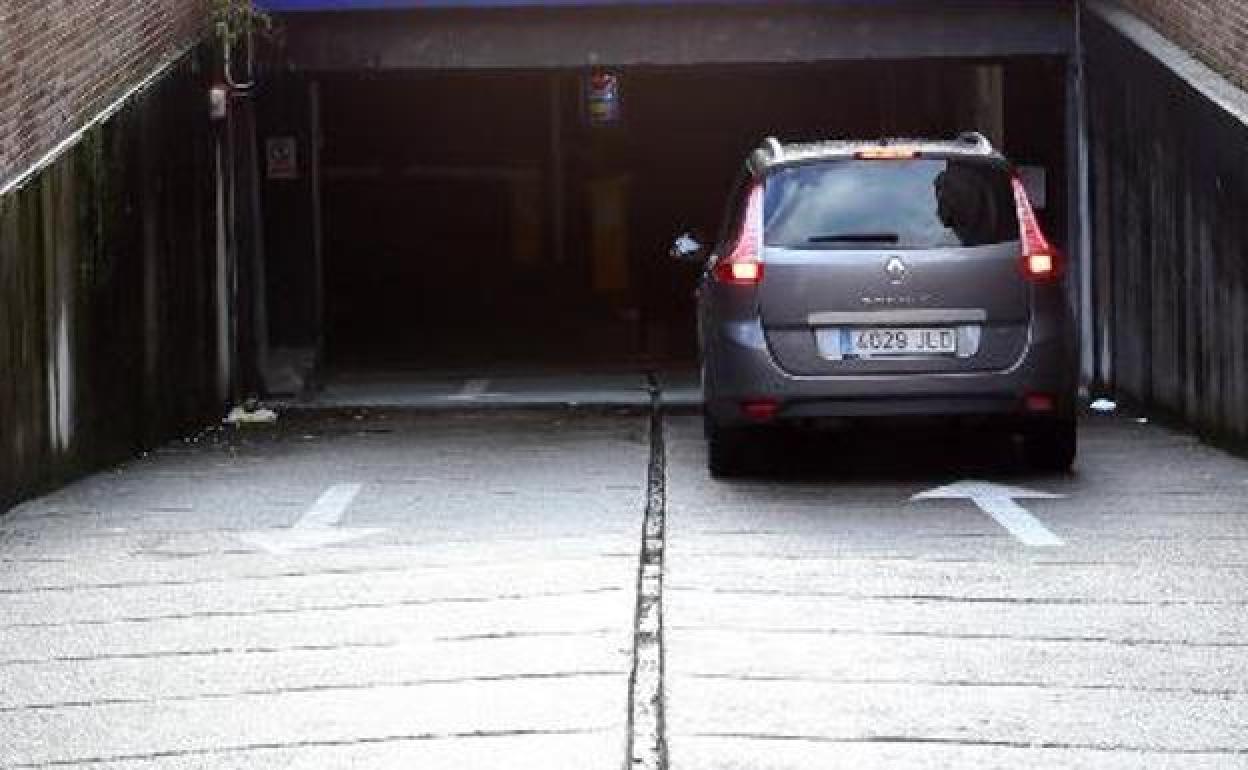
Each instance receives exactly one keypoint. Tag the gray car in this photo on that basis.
(883, 279)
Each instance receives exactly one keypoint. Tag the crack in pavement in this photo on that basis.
(647, 744)
(923, 740)
(196, 653)
(314, 608)
(967, 684)
(397, 684)
(956, 599)
(856, 632)
(412, 569)
(295, 745)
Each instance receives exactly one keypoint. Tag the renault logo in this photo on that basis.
(896, 270)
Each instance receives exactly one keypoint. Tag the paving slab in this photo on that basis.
(721, 753)
(818, 615)
(480, 611)
(566, 751)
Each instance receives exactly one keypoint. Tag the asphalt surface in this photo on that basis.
(827, 619)
(460, 589)
(487, 613)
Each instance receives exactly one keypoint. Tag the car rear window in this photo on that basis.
(924, 203)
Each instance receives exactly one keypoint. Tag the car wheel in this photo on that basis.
(1051, 447)
(728, 452)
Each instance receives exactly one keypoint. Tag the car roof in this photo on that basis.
(773, 153)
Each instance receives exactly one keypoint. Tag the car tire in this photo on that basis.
(1051, 447)
(728, 452)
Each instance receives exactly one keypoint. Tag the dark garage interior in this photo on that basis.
(484, 221)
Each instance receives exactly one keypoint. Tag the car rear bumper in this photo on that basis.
(739, 369)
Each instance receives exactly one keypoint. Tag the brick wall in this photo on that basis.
(62, 61)
(1216, 31)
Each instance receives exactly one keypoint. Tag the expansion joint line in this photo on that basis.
(647, 745)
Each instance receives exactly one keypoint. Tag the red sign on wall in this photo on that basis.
(603, 98)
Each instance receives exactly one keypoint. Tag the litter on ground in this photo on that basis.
(243, 416)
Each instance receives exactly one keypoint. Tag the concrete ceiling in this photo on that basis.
(671, 36)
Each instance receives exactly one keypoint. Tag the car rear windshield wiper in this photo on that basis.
(857, 238)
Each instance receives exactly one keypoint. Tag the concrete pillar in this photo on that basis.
(988, 102)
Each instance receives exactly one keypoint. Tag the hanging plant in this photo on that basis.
(238, 23)
(236, 20)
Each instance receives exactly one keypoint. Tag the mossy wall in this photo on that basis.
(108, 296)
(1170, 239)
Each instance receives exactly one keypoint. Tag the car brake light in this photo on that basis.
(744, 266)
(887, 153)
(1041, 262)
(746, 272)
(1040, 402)
(761, 409)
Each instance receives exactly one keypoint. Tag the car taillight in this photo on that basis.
(1041, 262)
(1040, 402)
(744, 266)
(761, 409)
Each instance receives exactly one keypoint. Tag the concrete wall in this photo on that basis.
(1169, 164)
(574, 38)
(108, 292)
(1216, 31)
(62, 62)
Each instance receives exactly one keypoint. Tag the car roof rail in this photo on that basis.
(769, 153)
(977, 139)
(775, 148)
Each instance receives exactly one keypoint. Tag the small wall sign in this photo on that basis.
(282, 158)
(604, 98)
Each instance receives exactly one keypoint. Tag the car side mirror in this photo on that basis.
(688, 249)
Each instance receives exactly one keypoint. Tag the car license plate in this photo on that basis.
(873, 343)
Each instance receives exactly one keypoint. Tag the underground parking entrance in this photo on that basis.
(462, 224)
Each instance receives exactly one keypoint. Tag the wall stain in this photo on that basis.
(107, 308)
(1170, 241)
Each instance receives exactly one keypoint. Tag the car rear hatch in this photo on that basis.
(909, 264)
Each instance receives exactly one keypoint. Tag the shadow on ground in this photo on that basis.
(891, 452)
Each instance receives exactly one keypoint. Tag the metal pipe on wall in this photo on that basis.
(224, 293)
(1081, 224)
(558, 185)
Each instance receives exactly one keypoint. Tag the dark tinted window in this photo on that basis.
(906, 204)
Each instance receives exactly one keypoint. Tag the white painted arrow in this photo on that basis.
(998, 501)
(315, 529)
